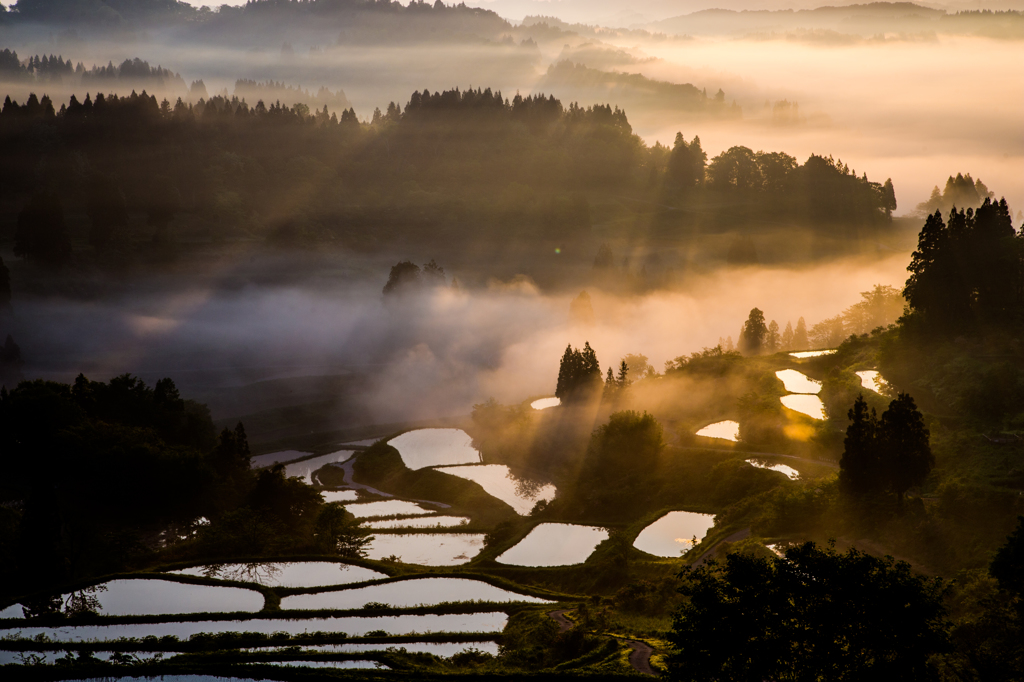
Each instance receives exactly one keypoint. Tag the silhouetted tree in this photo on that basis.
(859, 468)
(339, 532)
(754, 333)
(773, 340)
(404, 277)
(579, 374)
(787, 337)
(812, 615)
(800, 335)
(907, 455)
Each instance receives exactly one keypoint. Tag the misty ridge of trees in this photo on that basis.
(354, 21)
(822, 191)
(962, 191)
(445, 162)
(844, 24)
(877, 310)
(54, 71)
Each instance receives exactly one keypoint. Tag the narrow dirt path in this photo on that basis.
(713, 550)
(639, 657)
(564, 624)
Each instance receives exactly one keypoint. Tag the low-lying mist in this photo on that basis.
(425, 355)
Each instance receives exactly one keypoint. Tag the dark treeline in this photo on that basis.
(468, 165)
(100, 476)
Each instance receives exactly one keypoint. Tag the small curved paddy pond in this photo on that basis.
(554, 544)
(353, 626)
(727, 430)
(498, 480)
(340, 665)
(812, 353)
(435, 447)
(545, 403)
(287, 574)
(789, 472)
(673, 533)
(339, 495)
(419, 522)
(426, 549)
(305, 468)
(871, 380)
(13, 611)
(407, 594)
(810, 405)
(148, 597)
(798, 382)
(367, 510)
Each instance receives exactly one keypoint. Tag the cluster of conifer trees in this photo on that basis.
(968, 269)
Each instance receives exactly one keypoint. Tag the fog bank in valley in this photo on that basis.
(428, 355)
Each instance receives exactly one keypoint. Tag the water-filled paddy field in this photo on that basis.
(408, 593)
(545, 403)
(673, 533)
(871, 380)
(435, 447)
(287, 574)
(727, 430)
(810, 405)
(426, 549)
(153, 596)
(798, 382)
(419, 522)
(498, 481)
(554, 544)
(353, 626)
(339, 495)
(366, 510)
(812, 353)
(787, 471)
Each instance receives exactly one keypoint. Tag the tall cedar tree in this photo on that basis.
(579, 374)
(754, 334)
(889, 453)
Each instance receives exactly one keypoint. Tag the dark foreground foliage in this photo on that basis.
(815, 614)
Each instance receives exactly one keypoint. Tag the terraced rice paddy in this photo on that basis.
(287, 574)
(545, 403)
(787, 471)
(727, 430)
(353, 626)
(498, 480)
(367, 510)
(145, 597)
(419, 522)
(673, 533)
(408, 593)
(810, 405)
(435, 447)
(306, 467)
(426, 549)
(554, 544)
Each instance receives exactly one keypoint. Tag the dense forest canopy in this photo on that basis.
(224, 166)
